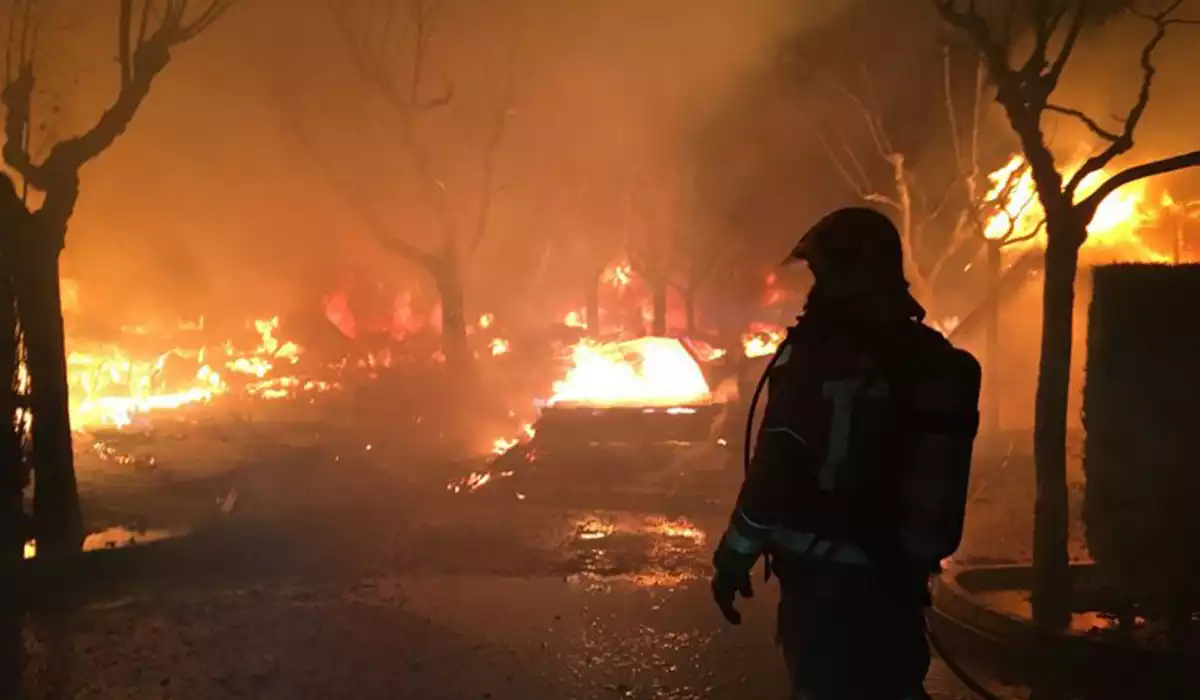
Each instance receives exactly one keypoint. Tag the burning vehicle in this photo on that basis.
(636, 415)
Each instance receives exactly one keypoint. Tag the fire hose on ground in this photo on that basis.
(940, 649)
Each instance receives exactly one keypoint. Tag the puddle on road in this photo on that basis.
(114, 538)
(650, 551)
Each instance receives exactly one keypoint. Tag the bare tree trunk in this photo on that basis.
(12, 648)
(689, 309)
(448, 279)
(991, 418)
(593, 304)
(58, 521)
(660, 308)
(1052, 581)
(14, 476)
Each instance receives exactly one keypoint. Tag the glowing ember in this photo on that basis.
(486, 321)
(475, 481)
(762, 340)
(1113, 229)
(643, 372)
(498, 346)
(503, 445)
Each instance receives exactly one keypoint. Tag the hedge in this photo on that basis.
(1141, 404)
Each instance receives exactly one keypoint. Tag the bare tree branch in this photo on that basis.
(1087, 208)
(124, 34)
(951, 116)
(1124, 142)
(876, 198)
(868, 115)
(1009, 240)
(860, 187)
(1088, 121)
(1046, 19)
(973, 24)
(17, 95)
(383, 235)
(499, 126)
(1050, 80)
(139, 64)
(372, 61)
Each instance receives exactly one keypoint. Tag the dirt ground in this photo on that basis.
(327, 563)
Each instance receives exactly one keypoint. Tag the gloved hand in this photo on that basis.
(732, 577)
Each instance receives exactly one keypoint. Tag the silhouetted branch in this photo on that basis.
(1009, 240)
(372, 43)
(972, 23)
(124, 34)
(499, 127)
(1088, 121)
(837, 164)
(1124, 141)
(140, 61)
(1087, 208)
(1046, 19)
(1051, 77)
(383, 235)
(870, 118)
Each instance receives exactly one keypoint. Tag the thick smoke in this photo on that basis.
(767, 133)
(251, 179)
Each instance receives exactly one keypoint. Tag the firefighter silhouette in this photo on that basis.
(857, 487)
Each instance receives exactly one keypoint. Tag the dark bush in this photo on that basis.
(1141, 408)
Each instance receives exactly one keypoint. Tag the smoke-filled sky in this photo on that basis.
(246, 171)
(257, 169)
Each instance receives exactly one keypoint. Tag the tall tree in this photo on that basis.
(710, 247)
(651, 227)
(1025, 90)
(146, 33)
(906, 194)
(389, 43)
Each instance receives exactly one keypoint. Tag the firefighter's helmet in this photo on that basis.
(856, 246)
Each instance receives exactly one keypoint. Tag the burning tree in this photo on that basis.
(35, 226)
(1024, 89)
(389, 43)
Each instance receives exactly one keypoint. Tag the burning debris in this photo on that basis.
(640, 392)
(116, 537)
(110, 385)
(762, 340)
(645, 372)
(1115, 233)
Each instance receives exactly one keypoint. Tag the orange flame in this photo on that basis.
(108, 386)
(575, 319)
(762, 340)
(1113, 230)
(648, 371)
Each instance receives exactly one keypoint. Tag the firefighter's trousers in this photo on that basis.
(844, 637)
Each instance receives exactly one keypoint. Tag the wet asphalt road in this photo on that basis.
(352, 582)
